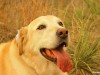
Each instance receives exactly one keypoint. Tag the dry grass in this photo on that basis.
(76, 14)
(17, 13)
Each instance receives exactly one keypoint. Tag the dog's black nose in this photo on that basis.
(62, 33)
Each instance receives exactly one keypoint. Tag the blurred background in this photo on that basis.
(81, 17)
(17, 13)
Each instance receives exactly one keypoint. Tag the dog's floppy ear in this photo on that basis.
(22, 39)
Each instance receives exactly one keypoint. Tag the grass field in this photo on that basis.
(81, 17)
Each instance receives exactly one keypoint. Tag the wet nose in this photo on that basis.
(62, 33)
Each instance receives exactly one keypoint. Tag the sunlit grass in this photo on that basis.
(81, 17)
(85, 54)
(85, 47)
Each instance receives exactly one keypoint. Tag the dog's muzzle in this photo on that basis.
(57, 54)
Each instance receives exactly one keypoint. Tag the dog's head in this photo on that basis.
(46, 36)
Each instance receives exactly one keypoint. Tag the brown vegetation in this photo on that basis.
(81, 17)
(17, 13)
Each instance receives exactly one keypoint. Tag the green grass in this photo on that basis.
(85, 54)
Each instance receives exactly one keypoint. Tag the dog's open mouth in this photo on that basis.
(58, 56)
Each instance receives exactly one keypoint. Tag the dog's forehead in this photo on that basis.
(47, 20)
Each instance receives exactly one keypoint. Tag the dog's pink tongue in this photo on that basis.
(63, 60)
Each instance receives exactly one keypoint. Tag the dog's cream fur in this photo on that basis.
(23, 57)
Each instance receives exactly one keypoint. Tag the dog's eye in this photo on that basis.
(41, 27)
(60, 23)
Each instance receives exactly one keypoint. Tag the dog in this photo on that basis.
(38, 49)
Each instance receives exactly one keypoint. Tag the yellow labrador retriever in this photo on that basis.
(38, 49)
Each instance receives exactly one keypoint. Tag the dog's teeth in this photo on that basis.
(64, 48)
